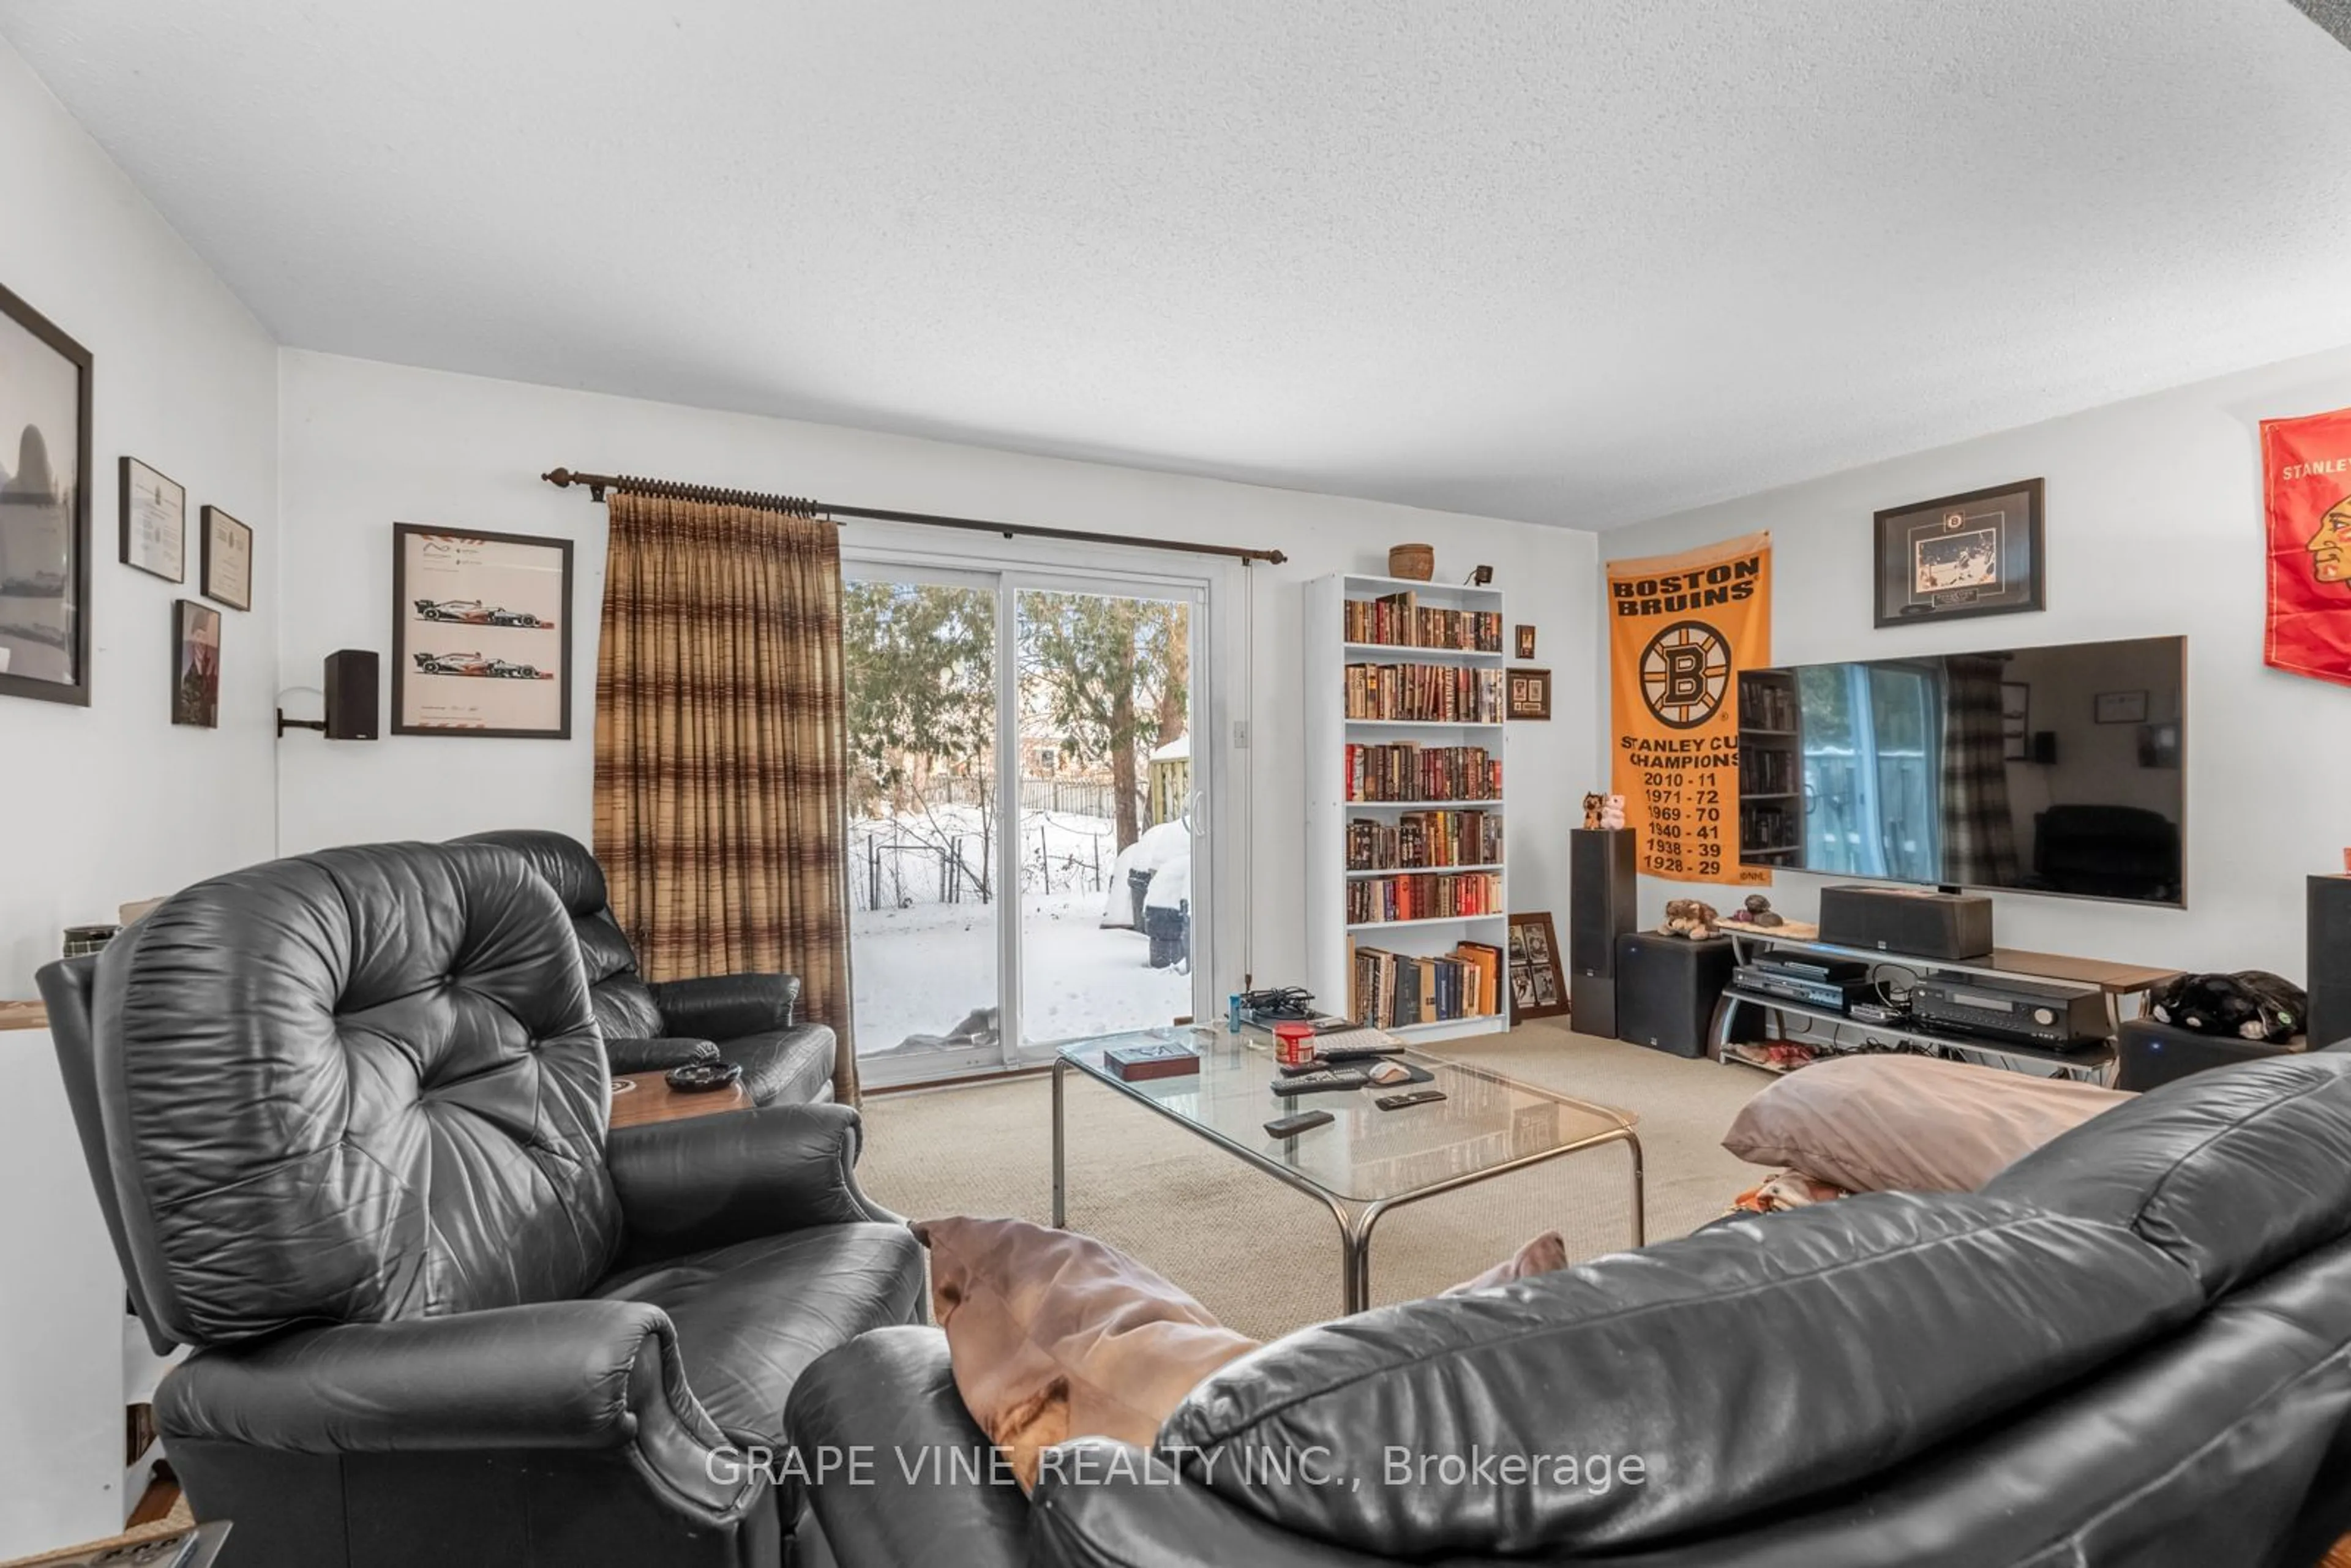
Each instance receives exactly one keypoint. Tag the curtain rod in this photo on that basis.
(798, 507)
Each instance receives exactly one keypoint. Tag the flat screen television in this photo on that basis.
(2049, 770)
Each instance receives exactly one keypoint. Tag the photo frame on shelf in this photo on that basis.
(1537, 974)
(154, 520)
(196, 663)
(1977, 553)
(227, 566)
(45, 463)
(481, 634)
(1529, 692)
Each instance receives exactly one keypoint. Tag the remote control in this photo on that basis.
(1290, 1126)
(1322, 1079)
(1410, 1097)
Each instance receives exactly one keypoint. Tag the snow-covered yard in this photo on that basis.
(924, 970)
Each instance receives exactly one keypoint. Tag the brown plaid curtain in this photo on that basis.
(721, 755)
(1979, 830)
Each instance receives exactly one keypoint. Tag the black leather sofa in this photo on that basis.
(2131, 1350)
(347, 1118)
(653, 1026)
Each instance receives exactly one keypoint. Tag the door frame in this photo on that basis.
(869, 555)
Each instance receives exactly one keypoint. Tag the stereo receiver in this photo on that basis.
(2010, 1010)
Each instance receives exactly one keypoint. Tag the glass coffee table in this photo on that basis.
(1366, 1161)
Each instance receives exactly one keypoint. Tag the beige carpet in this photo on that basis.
(1265, 1259)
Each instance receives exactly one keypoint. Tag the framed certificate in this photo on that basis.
(154, 521)
(481, 634)
(229, 560)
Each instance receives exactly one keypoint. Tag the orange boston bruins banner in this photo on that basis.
(2306, 473)
(1680, 628)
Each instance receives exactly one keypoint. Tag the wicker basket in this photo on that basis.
(1417, 562)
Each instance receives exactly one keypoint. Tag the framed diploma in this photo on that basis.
(481, 634)
(154, 521)
(229, 560)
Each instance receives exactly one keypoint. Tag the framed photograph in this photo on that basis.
(481, 634)
(1529, 693)
(1976, 554)
(2119, 708)
(196, 663)
(45, 379)
(2015, 721)
(1538, 984)
(2158, 745)
(154, 521)
(229, 560)
(1524, 637)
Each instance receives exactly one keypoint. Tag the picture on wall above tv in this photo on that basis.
(1911, 770)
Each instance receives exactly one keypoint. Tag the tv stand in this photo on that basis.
(2114, 983)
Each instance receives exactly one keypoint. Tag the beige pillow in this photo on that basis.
(1053, 1335)
(1909, 1123)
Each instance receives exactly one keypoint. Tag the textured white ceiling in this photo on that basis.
(1577, 263)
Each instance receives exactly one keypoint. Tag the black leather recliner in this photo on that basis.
(346, 1115)
(649, 1028)
(2132, 1349)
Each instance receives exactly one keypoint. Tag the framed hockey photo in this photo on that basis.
(1973, 554)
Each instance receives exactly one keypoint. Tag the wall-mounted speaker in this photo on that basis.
(351, 695)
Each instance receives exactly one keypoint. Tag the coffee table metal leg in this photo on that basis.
(1060, 1212)
(1355, 1255)
(1640, 1192)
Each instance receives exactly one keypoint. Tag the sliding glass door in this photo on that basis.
(1028, 848)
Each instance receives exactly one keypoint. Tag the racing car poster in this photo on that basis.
(481, 638)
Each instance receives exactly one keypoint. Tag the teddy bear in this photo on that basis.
(1593, 802)
(1689, 917)
(1612, 812)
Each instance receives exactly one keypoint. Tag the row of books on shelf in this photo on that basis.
(1394, 990)
(1766, 828)
(1409, 772)
(1425, 895)
(1399, 621)
(1440, 693)
(1764, 771)
(1418, 841)
(1766, 704)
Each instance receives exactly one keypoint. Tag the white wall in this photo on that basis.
(365, 444)
(106, 804)
(111, 802)
(2154, 526)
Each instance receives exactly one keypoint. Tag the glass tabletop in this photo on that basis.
(1484, 1123)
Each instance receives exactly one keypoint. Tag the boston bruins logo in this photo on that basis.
(1685, 671)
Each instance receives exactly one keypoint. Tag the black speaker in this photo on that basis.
(1954, 925)
(2328, 961)
(350, 695)
(1666, 988)
(1602, 904)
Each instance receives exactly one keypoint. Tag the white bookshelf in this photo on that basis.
(1330, 938)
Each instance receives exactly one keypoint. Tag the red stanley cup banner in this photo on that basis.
(2306, 474)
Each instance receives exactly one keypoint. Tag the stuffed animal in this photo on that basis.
(1592, 804)
(2251, 1004)
(1689, 917)
(1612, 812)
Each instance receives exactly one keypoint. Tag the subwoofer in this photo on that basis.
(2328, 961)
(1602, 904)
